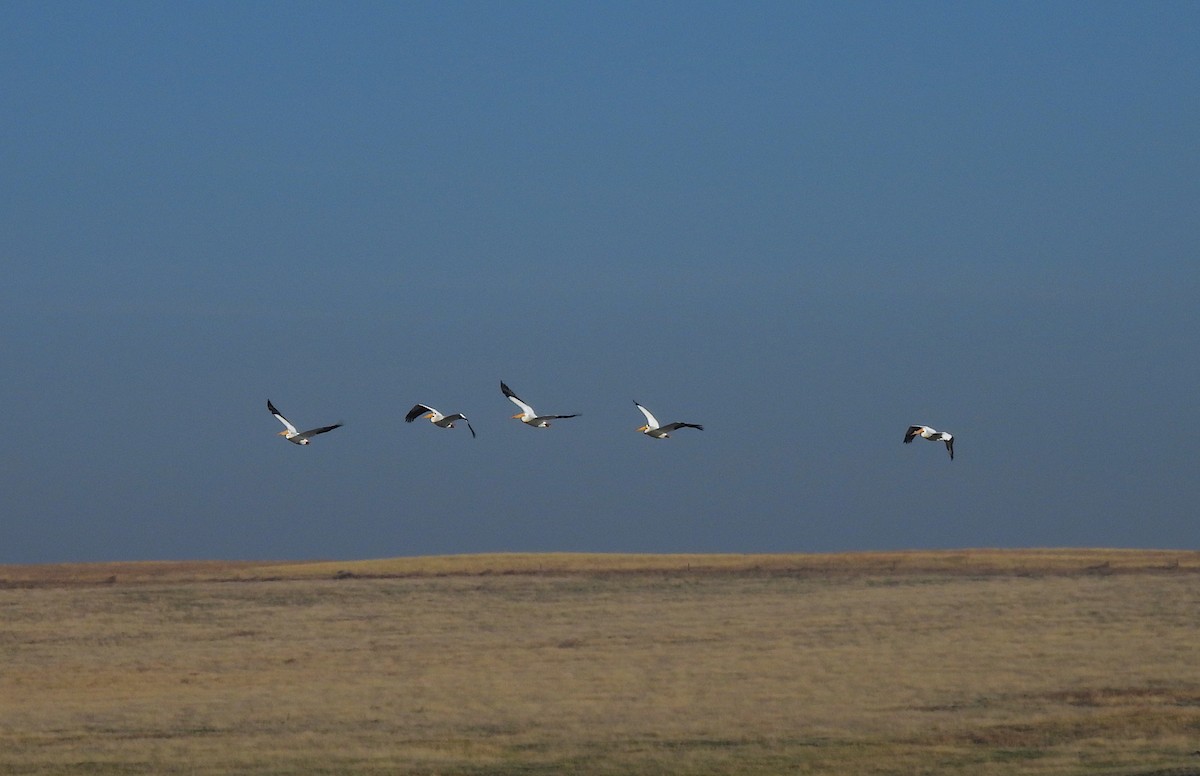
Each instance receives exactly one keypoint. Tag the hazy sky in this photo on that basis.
(803, 225)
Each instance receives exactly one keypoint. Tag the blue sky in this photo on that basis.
(805, 226)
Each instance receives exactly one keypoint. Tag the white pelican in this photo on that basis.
(653, 429)
(291, 434)
(527, 415)
(437, 418)
(933, 435)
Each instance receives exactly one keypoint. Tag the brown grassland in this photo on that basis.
(967, 662)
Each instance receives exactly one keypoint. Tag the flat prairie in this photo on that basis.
(963, 662)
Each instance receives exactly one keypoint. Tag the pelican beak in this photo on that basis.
(282, 433)
(643, 429)
(519, 415)
(427, 415)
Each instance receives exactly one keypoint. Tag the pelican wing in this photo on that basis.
(286, 423)
(463, 418)
(950, 445)
(651, 421)
(312, 432)
(912, 432)
(417, 411)
(513, 398)
(676, 426)
(556, 417)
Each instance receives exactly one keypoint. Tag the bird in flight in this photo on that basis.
(437, 418)
(291, 434)
(527, 414)
(653, 429)
(933, 435)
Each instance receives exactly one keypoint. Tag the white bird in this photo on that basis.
(527, 414)
(933, 435)
(291, 434)
(437, 418)
(653, 429)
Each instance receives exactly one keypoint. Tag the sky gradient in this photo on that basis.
(805, 226)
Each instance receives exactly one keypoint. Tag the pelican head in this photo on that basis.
(643, 429)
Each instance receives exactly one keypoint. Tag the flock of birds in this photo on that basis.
(530, 417)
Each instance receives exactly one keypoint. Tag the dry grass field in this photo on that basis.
(971, 662)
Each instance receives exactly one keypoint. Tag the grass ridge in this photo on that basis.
(974, 561)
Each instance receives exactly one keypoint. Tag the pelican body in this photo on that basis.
(437, 418)
(291, 434)
(933, 435)
(527, 415)
(653, 429)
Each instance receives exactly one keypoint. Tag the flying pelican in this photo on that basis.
(291, 434)
(652, 429)
(437, 418)
(527, 415)
(933, 435)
